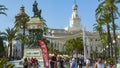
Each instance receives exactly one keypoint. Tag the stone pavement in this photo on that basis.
(84, 67)
(67, 66)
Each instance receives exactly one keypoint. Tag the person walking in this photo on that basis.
(29, 63)
(99, 63)
(73, 63)
(25, 63)
(87, 63)
(53, 61)
(80, 62)
(60, 62)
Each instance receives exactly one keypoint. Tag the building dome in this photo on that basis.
(22, 12)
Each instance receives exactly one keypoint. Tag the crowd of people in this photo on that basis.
(67, 62)
(61, 62)
(56, 61)
(30, 63)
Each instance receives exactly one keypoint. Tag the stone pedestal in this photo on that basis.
(34, 52)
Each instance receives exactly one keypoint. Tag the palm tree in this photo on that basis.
(74, 44)
(103, 16)
(108, 11)
(45, 28)
(1, 47)
(98, 27)
(9, 36)
(113, 9)
(110, 7)
(78, 46)
(21, 23)
(69, 47)
(2, 9)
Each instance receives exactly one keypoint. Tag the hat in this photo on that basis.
(73, 59)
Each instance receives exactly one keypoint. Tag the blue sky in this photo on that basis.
(57, 13)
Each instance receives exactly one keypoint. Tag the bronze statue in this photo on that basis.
(37, 12)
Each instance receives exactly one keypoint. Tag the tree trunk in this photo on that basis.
(113, 24)
(114, 31)
(10, 56)
(109, 39)
(22, 50)
(77, 55)
(22, 46)
(72, 53)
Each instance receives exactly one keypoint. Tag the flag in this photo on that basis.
(44, 53)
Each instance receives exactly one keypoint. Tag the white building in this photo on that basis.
(74, 30)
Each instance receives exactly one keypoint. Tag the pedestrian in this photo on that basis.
(80, 62)
(99, 63)
(53, 61)
(73, 63)
(87, 63)
(25, 63)
(60, 62)
(29, 63)
(70, 62)
(111, 65)
(36, 63)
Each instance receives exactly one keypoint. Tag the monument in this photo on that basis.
(35, 28)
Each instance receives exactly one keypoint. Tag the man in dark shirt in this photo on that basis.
(80, 62)
(53, 61)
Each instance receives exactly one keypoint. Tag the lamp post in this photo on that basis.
(16, 52)
(119, 50)
(114, 42)
(118, 64)
(114, 51)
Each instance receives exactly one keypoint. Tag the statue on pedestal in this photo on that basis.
(37, 12)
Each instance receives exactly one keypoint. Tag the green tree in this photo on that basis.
(108, 12)
(45, 28)
(74, 45)
(78, 46)
(9, 36)
(69, 47)
(103, 16)
(21, 23)
(3, 63)
(2, 9)
(113, 9)
(1, 47)
(98, 27)
(51, 48)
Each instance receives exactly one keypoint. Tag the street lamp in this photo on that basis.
(114, 43)
(119, 50)
(118, 64)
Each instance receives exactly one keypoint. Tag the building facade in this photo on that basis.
(74, 30)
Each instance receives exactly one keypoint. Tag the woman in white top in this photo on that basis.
(99, 63)
(87, 63)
